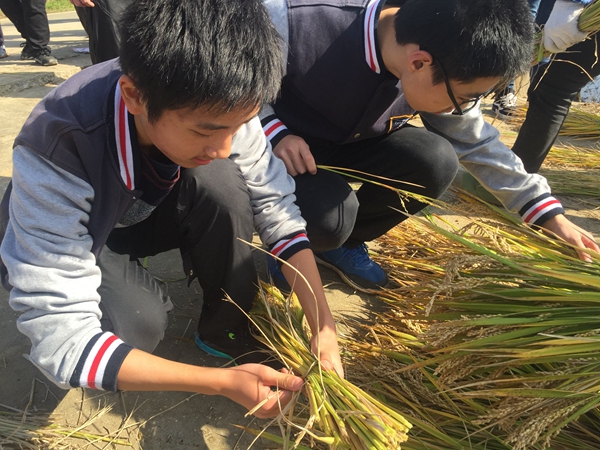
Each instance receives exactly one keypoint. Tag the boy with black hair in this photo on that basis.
(161, 149)
(357, 71)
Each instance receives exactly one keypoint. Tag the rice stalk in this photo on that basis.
(339, 413)
(499, 316)
(34, 431)
(492, 337)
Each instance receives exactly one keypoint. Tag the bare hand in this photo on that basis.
(571, 233)
(83, 3)
(251, 384)
(326, 346)
(296, 155)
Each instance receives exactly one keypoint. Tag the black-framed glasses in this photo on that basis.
(464, 107)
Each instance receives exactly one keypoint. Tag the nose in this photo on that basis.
(219, 148)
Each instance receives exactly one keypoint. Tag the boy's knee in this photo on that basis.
(329, 206)
(133, 305)
(218, 187)
(142, 328)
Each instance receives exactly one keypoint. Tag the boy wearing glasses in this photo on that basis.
(357, 71)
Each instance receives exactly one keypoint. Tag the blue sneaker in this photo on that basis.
(238, 346)
(355, 267)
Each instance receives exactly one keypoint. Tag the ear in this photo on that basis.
(419, 60)
(131, 96)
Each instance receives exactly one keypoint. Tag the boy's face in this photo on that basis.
(188, 137)
(192, 138)
(414, 68)
(424, 96)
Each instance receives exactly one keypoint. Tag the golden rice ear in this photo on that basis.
(491, 333)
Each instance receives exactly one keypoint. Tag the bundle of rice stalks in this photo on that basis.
(578, 123)
(581, 124)
(576, 158)
(589, 20)
(501, 320)
(336, 413)
(34, 431)
(574, 182)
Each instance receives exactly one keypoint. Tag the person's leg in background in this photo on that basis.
(505, 98)
(551, 92)
(30, 19)
(3, 53)
(101, 24)
(14, 11)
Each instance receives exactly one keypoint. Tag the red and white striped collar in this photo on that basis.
(370, 38)
(123, 140)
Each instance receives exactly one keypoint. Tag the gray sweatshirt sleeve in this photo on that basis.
(276, 216)
(47, 250)
(495, 166)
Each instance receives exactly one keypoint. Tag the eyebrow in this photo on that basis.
(471, 96)
(210, 126)
(215, 126)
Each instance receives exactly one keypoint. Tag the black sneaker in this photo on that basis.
(44, 58)
(27, 52)
(505, 106)
(3, 53)
(239, 346)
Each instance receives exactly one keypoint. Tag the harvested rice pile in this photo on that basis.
(491, 341)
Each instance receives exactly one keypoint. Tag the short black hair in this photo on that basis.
(470, 38)
(219, 54)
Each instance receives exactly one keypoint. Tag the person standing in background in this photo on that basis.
(557, 82)
(30, 19)
(505, 99)
(100, 20)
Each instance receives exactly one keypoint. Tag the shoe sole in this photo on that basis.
(349, 281)
(53, 63)
(211, 351)
(501, 116)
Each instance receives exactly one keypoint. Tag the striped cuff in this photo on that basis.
(274, 129)
(541, 209)
(100, 363)
(289, 246)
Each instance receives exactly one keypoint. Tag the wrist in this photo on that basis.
(214, 380)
